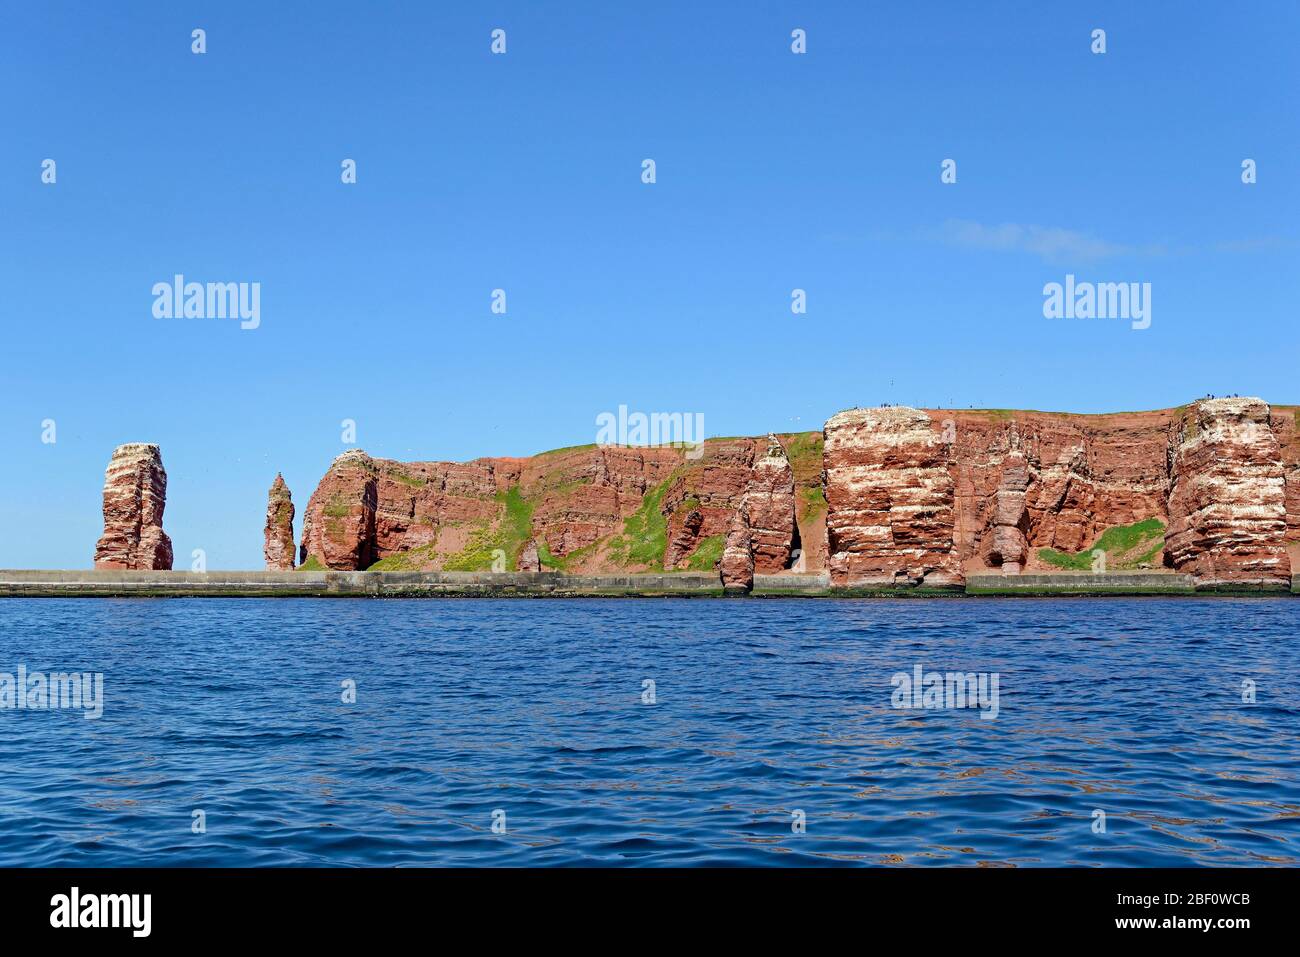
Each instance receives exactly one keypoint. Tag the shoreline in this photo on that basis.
(31, 583)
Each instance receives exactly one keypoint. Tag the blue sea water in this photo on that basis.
(762, 709)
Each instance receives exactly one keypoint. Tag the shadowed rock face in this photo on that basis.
(339, 526)
(278, 548)
(135, 495)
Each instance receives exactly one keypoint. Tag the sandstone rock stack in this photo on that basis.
(278, 548)
(529, 560)
(135, 495)
(737, 565)
(770, 511)
(1227, 502)
(763, 531)
(1009, 545)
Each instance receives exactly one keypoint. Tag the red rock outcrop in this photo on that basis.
(1285, 422)
(891, 499)
(1227, 502)
(529, 561)
(135, 495)
(577, 505)
(1010, 516)
(338, 528)
(703, 496)
(278, 548)
(762, 531)
(737, 565)
(770, 509)
(1019, 482)
(892, 496)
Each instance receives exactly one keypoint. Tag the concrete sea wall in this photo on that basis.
(344, 584)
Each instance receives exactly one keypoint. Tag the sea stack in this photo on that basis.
(135, 494)
(529, 559)
(279, 527)
(770, 511)
(737, 565)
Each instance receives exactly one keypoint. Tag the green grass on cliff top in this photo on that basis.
(1119, 543)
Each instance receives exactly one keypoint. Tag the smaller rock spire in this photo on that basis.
(279, 527)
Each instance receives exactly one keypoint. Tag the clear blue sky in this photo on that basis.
(522, 171)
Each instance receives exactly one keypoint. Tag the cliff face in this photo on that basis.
(891, 495)
(892, 499)
(135, 495)
(1227, 503)
(338, 528)
(588, 509)
(278, 547)
(924, 497)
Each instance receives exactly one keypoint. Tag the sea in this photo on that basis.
(1000, 732)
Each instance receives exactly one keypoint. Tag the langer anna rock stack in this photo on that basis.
(135, 495)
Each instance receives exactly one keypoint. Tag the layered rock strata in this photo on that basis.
(1227, 501)
(921, 497)
(737, 565)
(135, 495)
(592, 509)
(763, 533)
(890, 496)
(278, 547)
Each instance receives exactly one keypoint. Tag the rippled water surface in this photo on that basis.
(762, 708)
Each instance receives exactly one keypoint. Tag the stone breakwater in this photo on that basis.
(167, 584)
(890, 497)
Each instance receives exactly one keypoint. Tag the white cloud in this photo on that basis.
(1051, 243)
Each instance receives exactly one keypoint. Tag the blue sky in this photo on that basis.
(522, 172)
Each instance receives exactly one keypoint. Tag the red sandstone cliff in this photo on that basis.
(135, 494)
(278, 547)
(892, 499)
(923, 497)
(894, 496)
(588, 509)
(1227, 501)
